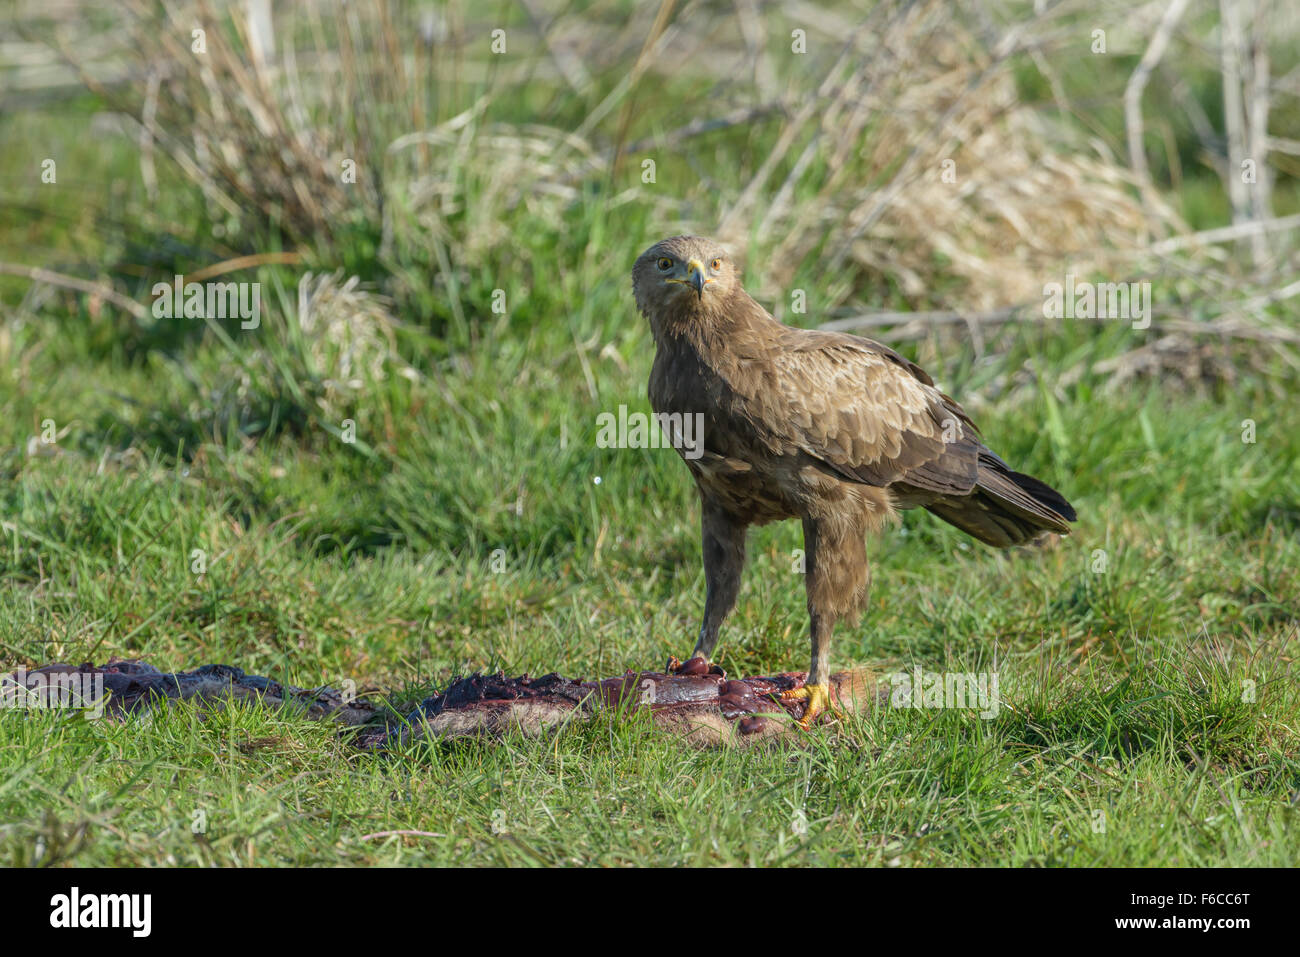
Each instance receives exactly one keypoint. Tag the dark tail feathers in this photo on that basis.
(1006, 508)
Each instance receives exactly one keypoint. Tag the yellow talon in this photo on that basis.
(818, 698)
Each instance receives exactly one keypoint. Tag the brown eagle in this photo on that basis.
(835, 430)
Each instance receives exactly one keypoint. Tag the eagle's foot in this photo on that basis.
(819, 701)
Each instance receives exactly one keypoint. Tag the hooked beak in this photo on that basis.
(695, 277)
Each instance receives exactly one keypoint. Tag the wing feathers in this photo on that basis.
(869, 415)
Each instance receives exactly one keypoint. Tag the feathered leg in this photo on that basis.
(837, 579)
(724, 560)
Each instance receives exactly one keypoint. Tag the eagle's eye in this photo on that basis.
(716, 264)
(665, 263)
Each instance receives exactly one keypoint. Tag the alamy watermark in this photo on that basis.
(179, 299)
(945, 689)
(73, 690)
(1098, 300)
(679, 430)
(75, 909)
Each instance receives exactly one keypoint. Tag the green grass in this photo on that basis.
(1124, 687)
(1150, 715)
(895, 788)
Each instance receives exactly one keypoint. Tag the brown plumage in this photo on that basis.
(835, 430)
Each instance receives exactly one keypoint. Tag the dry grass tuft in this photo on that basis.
(899, 159)
(931, 175)
(349, 331)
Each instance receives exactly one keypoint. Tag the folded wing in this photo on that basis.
(871, 416)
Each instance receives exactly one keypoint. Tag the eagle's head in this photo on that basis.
(682, 275)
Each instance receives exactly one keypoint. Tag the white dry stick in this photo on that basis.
(1137, 83)
(406, 833)
(37, 274)
(1280, 144)
(1224, 234)
(1234, 118)
(261, 32)
(148, 114)
(1257, 90)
